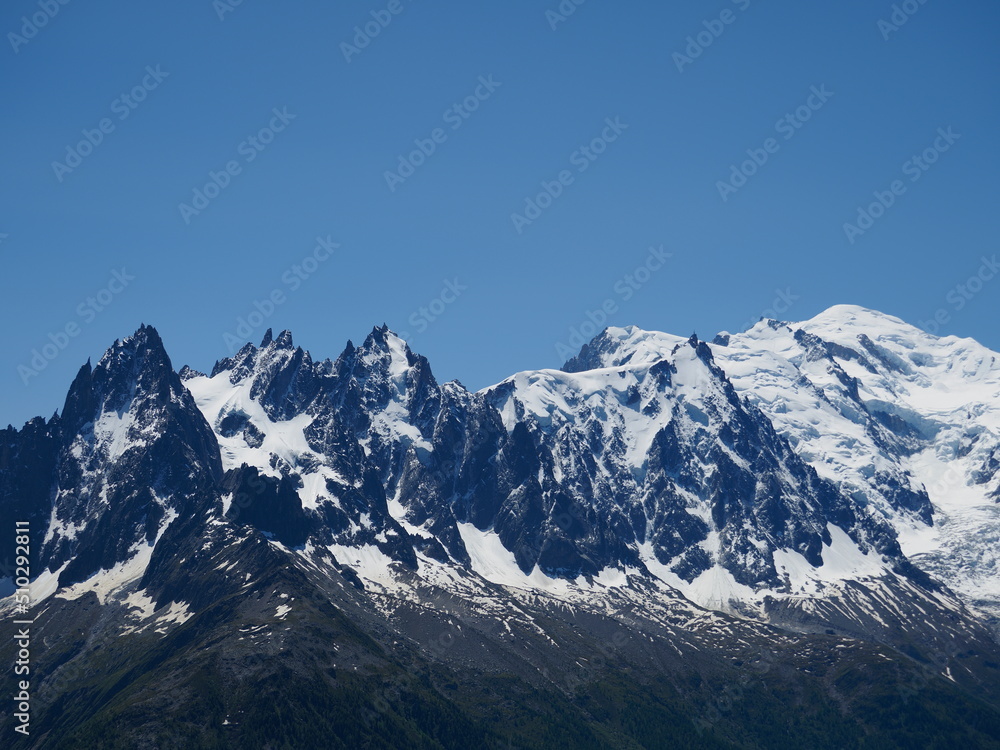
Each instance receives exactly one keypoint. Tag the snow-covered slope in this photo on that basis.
(646, 436)
(904, 420)
(905, 423)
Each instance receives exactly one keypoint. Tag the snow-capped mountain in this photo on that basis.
(835, 478)
(904, 423)
(714, 502)
(907, 422)
(129, 454)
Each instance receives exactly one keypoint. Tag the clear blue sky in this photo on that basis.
(324, 173)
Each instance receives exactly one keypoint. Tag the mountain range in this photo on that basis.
(785, 537)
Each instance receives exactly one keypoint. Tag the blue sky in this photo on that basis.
(96, 240)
